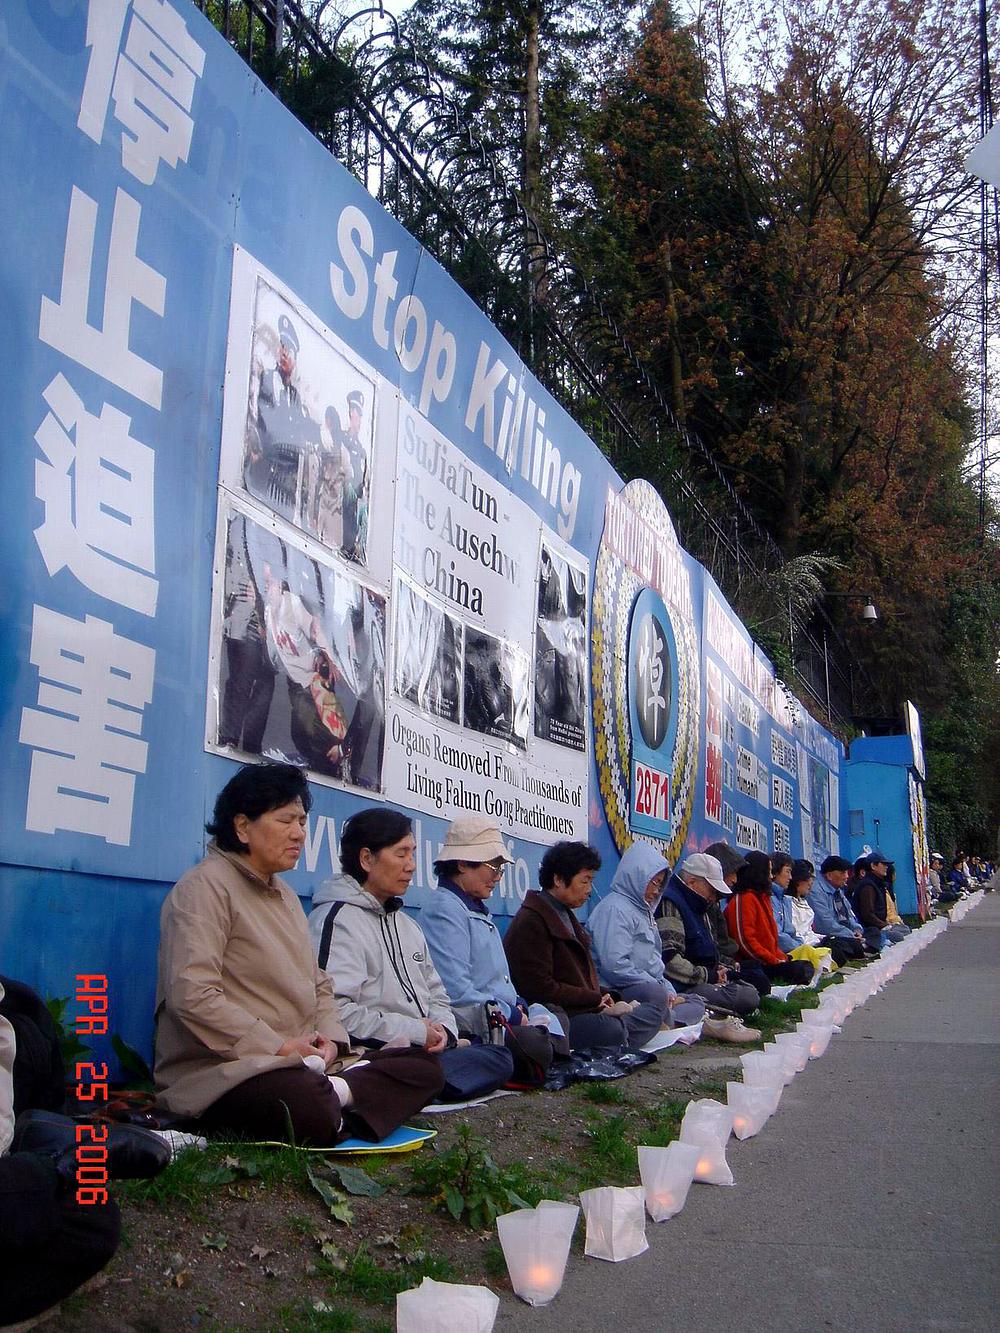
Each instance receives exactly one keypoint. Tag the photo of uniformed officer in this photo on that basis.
(281, 435)
(309, 428)
(340, 483)
(561, 652)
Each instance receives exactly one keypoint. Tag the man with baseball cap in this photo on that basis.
(467, 951)
(934, 875)
(691, 948)
(870, 900)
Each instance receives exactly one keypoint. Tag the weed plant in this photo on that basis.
(467, 1183)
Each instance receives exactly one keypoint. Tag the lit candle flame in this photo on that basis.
(540, 1276)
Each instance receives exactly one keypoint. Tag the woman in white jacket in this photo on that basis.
(388, 991)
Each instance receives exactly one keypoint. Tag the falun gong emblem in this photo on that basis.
(652, 714)
(645, 673)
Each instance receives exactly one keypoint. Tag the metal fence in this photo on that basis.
(368, 95)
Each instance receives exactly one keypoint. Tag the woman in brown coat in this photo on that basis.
(248, 1038)
(549, 951)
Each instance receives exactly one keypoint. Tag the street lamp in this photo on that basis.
(869, 614)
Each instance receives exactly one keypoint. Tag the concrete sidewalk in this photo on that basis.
(870, 1199)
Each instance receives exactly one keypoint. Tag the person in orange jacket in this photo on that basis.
(751, 923)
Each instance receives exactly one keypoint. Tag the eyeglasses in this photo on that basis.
(498, 866)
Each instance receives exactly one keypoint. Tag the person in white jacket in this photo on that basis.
(388, 991)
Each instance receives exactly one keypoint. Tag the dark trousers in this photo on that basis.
(246, 698)
(752, 972)
(49, 1244)
(873, 938)
(597, 1031)
(312, 739)
(736, 995)
(843, 950)
(301, 1104)
(793, 972)
(474, 1071)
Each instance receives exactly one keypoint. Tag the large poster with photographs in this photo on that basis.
(298, 432)
(479, 579)
(561, 652)
(299, 657)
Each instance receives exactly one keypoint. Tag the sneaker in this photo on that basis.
(178, 1141)
(729, 1029)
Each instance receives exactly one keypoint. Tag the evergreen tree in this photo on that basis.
(526, 76)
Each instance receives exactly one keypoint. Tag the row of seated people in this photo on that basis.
(351, 1021)
(348, 1023)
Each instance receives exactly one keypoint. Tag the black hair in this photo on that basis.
(834, 863)
(374, 828)
(778, 862)
(802, 870)
(567, 859)
(252, 791)
(755, 874)
(727, 856)
(449, 869)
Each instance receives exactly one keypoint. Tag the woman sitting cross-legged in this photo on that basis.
(389, 991)
(248, 1035)
(551, 961)
(626, 939)
(750, 918)
(467, 951)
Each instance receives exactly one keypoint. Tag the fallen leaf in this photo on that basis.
(356, 1181)
(333, 1256)
(339, 1208)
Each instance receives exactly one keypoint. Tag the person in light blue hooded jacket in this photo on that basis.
(626, 940)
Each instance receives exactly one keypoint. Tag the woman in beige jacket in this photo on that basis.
(248, 1038)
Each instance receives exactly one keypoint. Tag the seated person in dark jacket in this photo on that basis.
(870, 901)
(690, 948)
(551, 961)
(55, 1231)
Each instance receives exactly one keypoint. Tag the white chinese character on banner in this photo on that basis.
(97, 488)
(64, 324)
(93, 685)
(651, 670)
(151, 82)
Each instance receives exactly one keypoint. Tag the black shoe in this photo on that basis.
(133, 1153)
